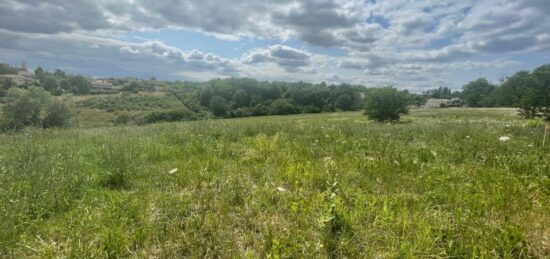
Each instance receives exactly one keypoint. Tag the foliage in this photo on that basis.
(475, 93)
(284, 106)
(386, 103)
(129, 102)
(33, 107)
(305, 186)
(218, 106)
(167, 116)
(248, 97)
(57, 114)
(122, 119)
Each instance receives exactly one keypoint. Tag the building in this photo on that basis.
(17, 79)
(436, 103)
(101, 86)
(455, 102)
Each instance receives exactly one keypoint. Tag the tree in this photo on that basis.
(57, 115)
(476, 93)
(33, 107)
(284, 106)
(241, 98)
(535, 96)
(344, 102)
(382, 104)
(218, 106)
(131, 87)
(205, 95)
(80, 85)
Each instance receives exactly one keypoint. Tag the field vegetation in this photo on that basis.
(439, 183)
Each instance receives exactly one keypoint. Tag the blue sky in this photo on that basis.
(413, 45)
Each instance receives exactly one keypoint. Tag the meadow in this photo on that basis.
(438, 184)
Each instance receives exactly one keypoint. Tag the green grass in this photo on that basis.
(438, 184)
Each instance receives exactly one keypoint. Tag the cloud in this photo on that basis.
(284, 56)
(108, 56)
(409, 43)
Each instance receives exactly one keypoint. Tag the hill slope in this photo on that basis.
(439, 184)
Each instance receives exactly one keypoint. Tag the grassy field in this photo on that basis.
(438, 184)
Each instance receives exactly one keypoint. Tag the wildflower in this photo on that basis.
(173, 171)
(504, 138)
(281, 189)
(328, 161)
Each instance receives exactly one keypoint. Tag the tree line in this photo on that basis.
(241, 97)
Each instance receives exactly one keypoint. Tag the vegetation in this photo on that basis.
(129, 102)
(385, 104)
(33, 107)
(324, 185)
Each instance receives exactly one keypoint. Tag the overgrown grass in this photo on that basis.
(439, 184)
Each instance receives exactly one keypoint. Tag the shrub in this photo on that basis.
(260, 110)
(167, 116)
(33, 107)
(57, 115)
(122, 119)
(284, 106)
(382, 104)
(218, 106)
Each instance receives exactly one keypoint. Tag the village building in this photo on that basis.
(436, 103)
(442, 103)
(16, 79)
(100, 86)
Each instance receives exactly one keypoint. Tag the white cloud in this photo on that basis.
(409, 43)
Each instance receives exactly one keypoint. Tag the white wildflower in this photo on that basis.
(504, 138)
(281, 189)
(329, 162)
(173, 171)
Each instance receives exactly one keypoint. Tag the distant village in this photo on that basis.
(21, 76)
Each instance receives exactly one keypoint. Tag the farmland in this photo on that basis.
(439, 183)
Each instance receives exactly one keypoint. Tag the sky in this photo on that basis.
(414, 44)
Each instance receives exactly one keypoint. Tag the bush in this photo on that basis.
(167, 116)
(57, 115)
(260, 110)
(122, 119)
(383, 104)
(284, 106)
(218, 106)
(33, 107)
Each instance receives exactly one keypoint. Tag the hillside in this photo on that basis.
(438, 184)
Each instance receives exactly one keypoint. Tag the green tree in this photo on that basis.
(284, 106)
(49, 83)
(535, 96)
(205, 95)
(385, 104)
(241, 98)
(218, 106)
(80, 85)
(344, 102)
(476, 93)
(57, 115)
(33, 107)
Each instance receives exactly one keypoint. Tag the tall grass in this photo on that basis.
(440, 184)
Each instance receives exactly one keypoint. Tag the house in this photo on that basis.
(436, 103)
(100, 86)
(455, 102)
(17, 79)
